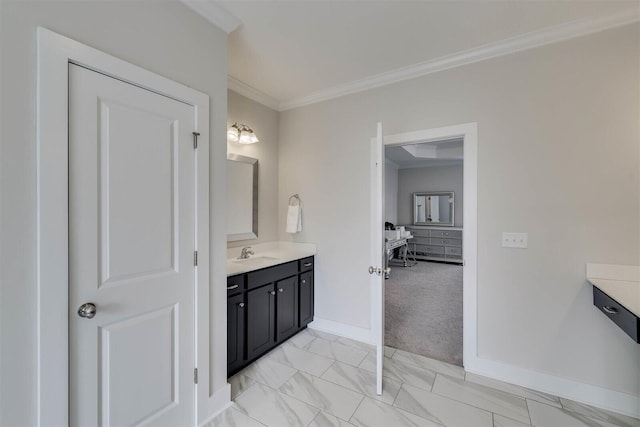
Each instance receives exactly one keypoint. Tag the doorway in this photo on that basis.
(424, 197)
(469, 134)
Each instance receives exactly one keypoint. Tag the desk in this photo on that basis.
(405, 255)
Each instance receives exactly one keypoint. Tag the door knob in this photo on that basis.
(88, 310)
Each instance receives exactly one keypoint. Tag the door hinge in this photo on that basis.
(195, 258)
(195, 376)
(195, 139)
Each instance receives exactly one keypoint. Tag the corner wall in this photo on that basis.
(558, 126)
(166, 38)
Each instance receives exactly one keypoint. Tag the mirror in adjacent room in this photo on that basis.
(242, 198)
(433, 208)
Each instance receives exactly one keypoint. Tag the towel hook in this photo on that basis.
(294, 197)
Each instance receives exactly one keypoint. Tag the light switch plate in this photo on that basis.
(514, 240)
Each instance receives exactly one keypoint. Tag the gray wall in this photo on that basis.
(166, 38)
(391, 193)
(264, 122)
(434, 178)
(557, 124)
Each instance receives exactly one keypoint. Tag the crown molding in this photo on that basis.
(490, 50)
(215, 14)
(252, 93)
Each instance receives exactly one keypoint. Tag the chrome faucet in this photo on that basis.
(246, 251)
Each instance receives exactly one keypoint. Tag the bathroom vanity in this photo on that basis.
(266, 305)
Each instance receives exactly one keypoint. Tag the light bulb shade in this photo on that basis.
(233, 133)
(254, 138)
(245, 138)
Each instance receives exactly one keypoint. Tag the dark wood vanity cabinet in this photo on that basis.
(275, 304)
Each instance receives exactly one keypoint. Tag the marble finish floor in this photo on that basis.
(317, 379)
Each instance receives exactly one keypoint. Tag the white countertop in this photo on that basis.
(267, 255)
(620, 282)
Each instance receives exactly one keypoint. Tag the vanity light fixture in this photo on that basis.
(242, 134)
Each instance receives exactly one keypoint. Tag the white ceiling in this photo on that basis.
(428, 154)
(289, 50)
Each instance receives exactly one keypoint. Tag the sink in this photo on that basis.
(256, 261)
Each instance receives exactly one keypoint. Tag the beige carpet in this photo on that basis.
(423, 310)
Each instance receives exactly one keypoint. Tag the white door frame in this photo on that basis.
(469, 133)
(55, 52)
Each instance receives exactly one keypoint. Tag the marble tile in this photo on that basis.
(544, 415)
(486, 398)
(373, 413)
(336, 350)
(388, 351)
(441, 410)
(290, 355)
(232, 417)
(403, 372)
(362, 381)
(268, 372)
(324, 419)
(427, 363)
(301, 339)
(274, 409)
(239, 383)
(500, 421)
(322, 394)
(514, 389)
(320, 334)
(357, 344)
(600, 414)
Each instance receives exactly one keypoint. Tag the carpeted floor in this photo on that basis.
(423, 310)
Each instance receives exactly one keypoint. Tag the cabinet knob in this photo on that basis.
(272, 292)
(241, 305)
(304, 281)
(280, 290)
(610, 310)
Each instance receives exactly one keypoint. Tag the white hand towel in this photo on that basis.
(294, 219)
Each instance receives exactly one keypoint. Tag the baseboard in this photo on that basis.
(600, 397)
(342, 329)
(218, 402)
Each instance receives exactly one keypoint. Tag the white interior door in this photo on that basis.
(377, 268)
(131, 254)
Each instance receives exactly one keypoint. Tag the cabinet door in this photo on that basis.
(306, 298)
(260, 320)
(287, 307)
(235, 332)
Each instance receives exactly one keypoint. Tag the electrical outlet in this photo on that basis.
(514, 240)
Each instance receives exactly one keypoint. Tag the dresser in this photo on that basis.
(436, 243)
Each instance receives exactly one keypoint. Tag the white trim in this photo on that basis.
(214, 13)
(519, 43)
(469, 133)
(580, 392)
(54, 54)
(218, 402)
(252, 93)
(342, 329)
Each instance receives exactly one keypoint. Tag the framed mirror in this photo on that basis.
(242, 198)
(433, 209)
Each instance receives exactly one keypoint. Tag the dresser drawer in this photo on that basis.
(451, 250)
(445, 241)
(452, 234)
(306, 264)
(626, 320)
(430, 250)
(420, 232)
(235, 284)
(420, 240)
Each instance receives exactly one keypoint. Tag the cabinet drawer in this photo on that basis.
(420, 240)
(235, 284)
(419, 232)
(445, 241)
(452, 234)
(430, 250)
(626, 320)
(450, 250)
(271, 274)
(306, 264)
